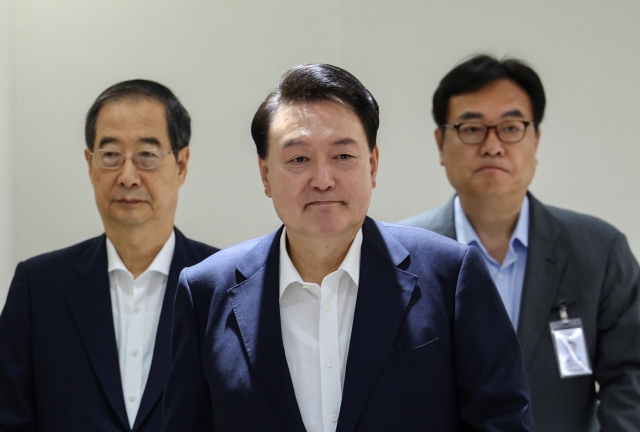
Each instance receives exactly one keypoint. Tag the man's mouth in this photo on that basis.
(128, 201)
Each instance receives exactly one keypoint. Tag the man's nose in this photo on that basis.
(323, 177)
(129, 175)
(492, 146)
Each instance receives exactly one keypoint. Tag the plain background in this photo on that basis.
(222, 58)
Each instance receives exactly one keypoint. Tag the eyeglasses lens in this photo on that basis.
(508, 132)
(143, 159)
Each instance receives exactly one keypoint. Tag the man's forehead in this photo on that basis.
(498, 99)
(133, 119)
(132, 111)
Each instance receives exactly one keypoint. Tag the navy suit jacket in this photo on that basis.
(59, 368)
(432, 347)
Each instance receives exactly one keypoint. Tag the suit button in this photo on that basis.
(132, 398)
(334, 417)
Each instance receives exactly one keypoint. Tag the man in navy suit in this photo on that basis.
(337, 321)
(85, 331)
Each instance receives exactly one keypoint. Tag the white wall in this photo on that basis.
(6, 204)
(223, 57)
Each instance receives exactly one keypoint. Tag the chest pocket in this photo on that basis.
(414, 357)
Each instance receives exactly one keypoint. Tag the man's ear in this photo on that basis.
(183, 163)
(439, 135)
(538, 135)
(373, 160)
(87, 156)
(264, 175)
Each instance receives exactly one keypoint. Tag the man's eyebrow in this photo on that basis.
(150, 140)
(513, 113)
(469, 115)
(292, 142)
(295, 141)
(106, 140)
(344, 141)
(147, 140)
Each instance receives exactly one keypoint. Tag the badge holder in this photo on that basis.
(570, 346)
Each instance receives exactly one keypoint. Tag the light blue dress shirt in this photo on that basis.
(508, 276)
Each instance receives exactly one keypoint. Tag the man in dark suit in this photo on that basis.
(336, 321)
(547, 262)
(85, 331)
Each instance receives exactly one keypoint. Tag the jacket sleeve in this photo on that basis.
(187, 399)
(617, 358)
(493, 394)
(17, 395)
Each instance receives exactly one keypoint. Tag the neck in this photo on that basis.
(315, 258)
(494, 219)
(137, 247)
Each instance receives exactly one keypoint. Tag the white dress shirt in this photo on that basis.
(136, 305)
(316, 323)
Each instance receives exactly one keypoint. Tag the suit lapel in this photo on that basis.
(90, 304)
(546, 259)
(161, 362)
(256, 306)
(383, 296)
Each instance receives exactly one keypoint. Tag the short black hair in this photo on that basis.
(481, 70)
(178, 120)
(315, 83)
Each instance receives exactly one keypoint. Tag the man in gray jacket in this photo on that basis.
(569, 282)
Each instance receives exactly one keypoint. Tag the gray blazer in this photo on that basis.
(587, 263)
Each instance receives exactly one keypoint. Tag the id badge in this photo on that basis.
(570, 347)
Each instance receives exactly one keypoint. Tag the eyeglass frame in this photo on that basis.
(132, 156)
(457, 126)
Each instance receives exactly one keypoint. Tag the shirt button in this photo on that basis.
(330, 363)
(305, 286)
(132, 399)
(500, 276)
(136, 309)
(327, 308)
(334, 417)
(135, 353)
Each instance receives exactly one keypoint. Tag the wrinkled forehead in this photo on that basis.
(132, 121)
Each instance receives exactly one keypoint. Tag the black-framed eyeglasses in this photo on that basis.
(146, 159)
(509, 132)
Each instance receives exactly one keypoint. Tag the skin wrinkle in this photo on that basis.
(137, 206)
(320, 174)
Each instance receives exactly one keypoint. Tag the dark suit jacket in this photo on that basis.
(59, 368)
(432, 348)
(587, 263)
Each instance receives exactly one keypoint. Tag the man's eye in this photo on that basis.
(147, 155)
(111, 155)
(299, 159)
(471, 129)
(344, 156)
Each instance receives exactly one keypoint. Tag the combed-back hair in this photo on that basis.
(314, 83)
(481, 70)
(178, 120)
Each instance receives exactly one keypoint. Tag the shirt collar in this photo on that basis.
(161, 263)
(466, 234)
(350, 264)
